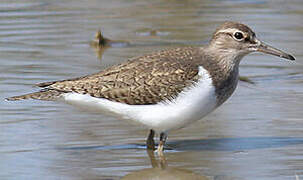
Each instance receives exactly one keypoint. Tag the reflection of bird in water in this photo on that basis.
(99, 50)
(160, 170)
(100, 43)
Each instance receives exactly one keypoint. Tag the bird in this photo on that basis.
(167, 89)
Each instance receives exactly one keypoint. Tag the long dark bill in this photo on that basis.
(262, 47)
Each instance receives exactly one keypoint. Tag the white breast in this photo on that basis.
(190, 105)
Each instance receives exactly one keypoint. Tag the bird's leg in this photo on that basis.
(150, 143)
(163, 137)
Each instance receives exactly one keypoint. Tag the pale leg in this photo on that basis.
(163, 137)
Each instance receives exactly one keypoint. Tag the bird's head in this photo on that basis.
(237, 40)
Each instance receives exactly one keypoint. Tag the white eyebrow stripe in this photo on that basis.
(228, 30)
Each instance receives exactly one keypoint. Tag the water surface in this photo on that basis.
(257, 134)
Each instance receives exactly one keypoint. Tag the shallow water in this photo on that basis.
(257, 134)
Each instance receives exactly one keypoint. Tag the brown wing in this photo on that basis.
(144, 80)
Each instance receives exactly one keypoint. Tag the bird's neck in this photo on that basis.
(227, 58)
(225, 71)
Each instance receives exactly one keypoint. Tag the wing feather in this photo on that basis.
(143, 80)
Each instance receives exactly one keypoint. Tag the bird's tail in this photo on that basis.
(47, 95)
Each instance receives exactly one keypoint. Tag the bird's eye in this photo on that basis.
(238, 36)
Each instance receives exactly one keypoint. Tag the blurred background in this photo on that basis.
(256, 134)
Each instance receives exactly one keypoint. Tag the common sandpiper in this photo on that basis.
(168, 89)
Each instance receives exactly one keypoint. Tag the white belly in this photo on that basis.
(190, 105)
